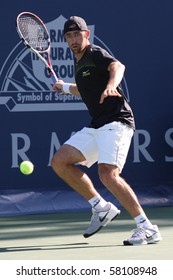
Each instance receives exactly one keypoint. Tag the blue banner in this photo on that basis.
(35, 121)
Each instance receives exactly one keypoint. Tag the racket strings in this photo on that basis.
(34, 33)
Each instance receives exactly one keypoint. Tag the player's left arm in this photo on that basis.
(116, 72)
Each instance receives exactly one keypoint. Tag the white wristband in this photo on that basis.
(66, 87)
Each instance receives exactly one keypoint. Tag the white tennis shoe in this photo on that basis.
(101, 218)
(144, 236)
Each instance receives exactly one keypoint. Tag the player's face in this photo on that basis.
(77, 40)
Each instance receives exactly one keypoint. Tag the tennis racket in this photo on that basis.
(35, 36)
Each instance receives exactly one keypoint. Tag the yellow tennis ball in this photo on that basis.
(26, 167)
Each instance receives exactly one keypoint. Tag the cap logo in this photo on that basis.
(73, 26)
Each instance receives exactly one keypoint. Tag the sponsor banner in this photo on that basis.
(35, 120)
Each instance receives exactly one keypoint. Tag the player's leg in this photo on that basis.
(64, 164)
(111, 162)
(145, 233)
(109, 175)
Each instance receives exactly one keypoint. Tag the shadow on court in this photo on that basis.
(60, 236)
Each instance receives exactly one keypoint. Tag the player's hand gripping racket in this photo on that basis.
(35, 36)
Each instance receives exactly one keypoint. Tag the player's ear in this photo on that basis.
(87, 34)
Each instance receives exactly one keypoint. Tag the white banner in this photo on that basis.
(86, 269)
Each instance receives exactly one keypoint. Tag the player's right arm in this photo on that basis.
(66, 88)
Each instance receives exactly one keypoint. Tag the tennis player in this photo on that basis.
(106, 140)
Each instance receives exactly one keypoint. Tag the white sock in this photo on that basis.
(142, 220)
(97, 202)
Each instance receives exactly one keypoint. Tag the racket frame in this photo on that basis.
(38, 53)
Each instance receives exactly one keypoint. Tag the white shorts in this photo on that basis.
(107, 144)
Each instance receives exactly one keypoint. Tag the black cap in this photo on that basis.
(75, 23)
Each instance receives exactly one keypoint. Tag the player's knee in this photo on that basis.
(58, 164)
(108, 174)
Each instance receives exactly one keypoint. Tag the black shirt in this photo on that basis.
(92, 76)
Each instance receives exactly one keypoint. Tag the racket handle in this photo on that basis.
(52, 75)
(54, 78)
